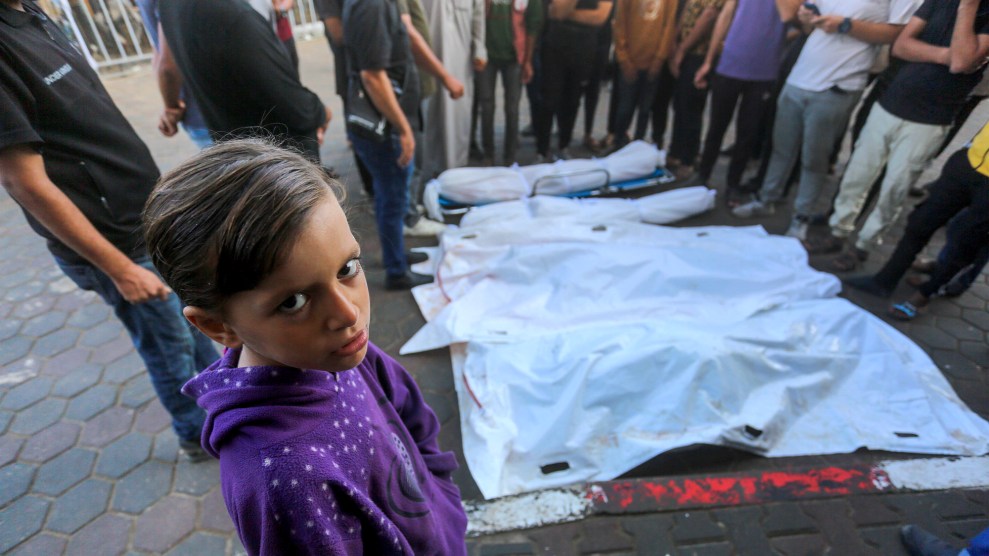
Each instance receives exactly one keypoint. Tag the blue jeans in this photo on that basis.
(391, 183)
(199, 135)
(636, 95)
(172, 350)
(807, 125)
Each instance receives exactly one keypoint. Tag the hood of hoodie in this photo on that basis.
(237, 399)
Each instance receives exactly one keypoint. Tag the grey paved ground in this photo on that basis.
(88, 461)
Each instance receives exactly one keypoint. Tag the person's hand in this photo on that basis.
(527, 73)
(675, 60)
(452, 84)
(408, 144)
(168, 121)
(138, 284)
(827, 23)
(321, 130)
(480, 64)
(283, 5)
(805, 16)
(700, 78)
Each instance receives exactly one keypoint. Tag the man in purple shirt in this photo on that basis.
(747, 68)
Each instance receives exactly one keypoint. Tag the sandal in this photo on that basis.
(822, 245)
(848, 259)
(903, 311)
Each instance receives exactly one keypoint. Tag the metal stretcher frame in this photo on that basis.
(659, 177)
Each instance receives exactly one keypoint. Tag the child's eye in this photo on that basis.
(294, 303)
(351, 269)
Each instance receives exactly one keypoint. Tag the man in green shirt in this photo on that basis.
(512, 27)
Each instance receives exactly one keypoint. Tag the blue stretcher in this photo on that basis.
(660, 176)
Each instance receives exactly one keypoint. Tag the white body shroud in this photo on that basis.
(478, 186)
(602, 343)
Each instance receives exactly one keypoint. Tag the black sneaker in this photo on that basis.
(406, 281)
(868, 285)
(921, 543)
(192, 451)
(416, 257)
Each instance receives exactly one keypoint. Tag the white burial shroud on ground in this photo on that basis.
(586, 342)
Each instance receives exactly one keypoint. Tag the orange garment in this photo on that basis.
(643, 31)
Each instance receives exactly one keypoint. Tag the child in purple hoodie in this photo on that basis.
(325, 443)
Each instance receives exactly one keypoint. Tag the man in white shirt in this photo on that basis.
(820, 94)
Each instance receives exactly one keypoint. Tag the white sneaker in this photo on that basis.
(424, 228)
(754, 208)
(798, 228)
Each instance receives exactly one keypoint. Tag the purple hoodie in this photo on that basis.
(313, 462)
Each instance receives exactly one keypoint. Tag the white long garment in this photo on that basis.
(457, 29)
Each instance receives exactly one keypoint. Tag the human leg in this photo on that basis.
(724, 97)
(754, 103)
(172, 351)
(949, 195)
(788, 132)
(628, 92)
(971, 236)
(486, 83)
(511, 79)
(688, 112)
(199, 135)
(911, 148)
(655, 104)
(390, 196)
(553, 74)
(826, 113)
(577, 75)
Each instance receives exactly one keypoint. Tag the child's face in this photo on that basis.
(313, 311)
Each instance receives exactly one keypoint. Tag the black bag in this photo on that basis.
(362, 117)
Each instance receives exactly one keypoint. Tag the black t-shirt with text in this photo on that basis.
(53, 101)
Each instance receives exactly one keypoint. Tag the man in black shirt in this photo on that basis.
(81, 174)
(240, 73)
(945, 45)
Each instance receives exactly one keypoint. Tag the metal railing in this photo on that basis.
(112, 35)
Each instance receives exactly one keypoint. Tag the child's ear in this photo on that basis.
(212, 326)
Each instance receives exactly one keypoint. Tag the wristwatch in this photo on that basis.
(845, 26)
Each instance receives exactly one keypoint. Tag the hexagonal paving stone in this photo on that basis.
(977, 352)
(106, 427)
(5, 418)
(14, 348)
(34, 306)
(66, 362)
(79, 506)
(137, 392)
(123, 455)
(10, 446)
(20, 520)
(77, 381)
(21, 276)
(9, 327)
(27, 295)
(75, 300)
(214, 514)
(91, 402)
(27, 393)
(56, 476)
(16, 479)
(41, 545)
(959, 329)
(50, 442)
(113, 350)
(197, 478)
(107, 535)
(123, 369)
(44, 323)
(56, 342)
(90, 315)
(39, 416)
(165, 524)
(166, 446)
(101, 333)
(142, 487)
(199, 543)
(152, 419)
(931, 337)
(977, 317)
